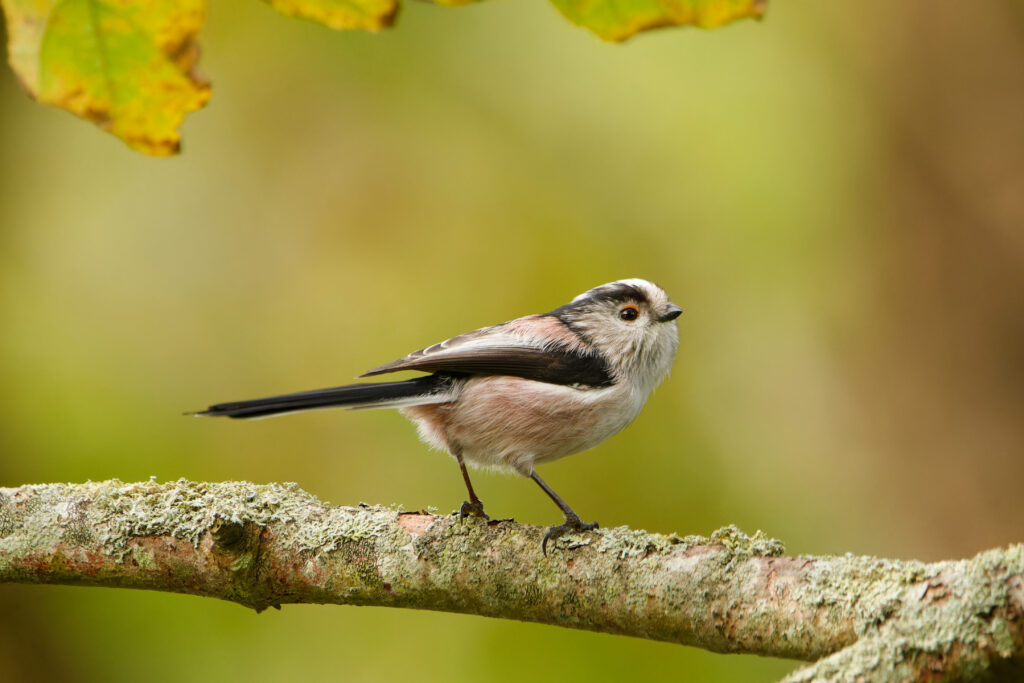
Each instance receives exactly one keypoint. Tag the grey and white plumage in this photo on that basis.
(527, 391)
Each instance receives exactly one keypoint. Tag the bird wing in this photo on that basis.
(522, 348)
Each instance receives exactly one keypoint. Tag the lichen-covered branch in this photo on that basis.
(267, 545)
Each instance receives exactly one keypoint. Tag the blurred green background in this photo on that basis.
(835, 195)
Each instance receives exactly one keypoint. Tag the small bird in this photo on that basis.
(527, 391)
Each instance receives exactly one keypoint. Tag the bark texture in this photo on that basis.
(859, 618)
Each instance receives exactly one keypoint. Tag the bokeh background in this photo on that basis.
(835, 195)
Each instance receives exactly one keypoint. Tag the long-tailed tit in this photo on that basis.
(524, 392)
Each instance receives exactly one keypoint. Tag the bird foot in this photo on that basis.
(570, 524)
(474, 508)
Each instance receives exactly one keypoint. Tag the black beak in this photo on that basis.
(671, 313)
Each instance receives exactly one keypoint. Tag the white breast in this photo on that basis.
(511, 423)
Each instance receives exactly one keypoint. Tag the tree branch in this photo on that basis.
(267, 545)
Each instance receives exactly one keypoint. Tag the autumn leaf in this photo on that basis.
(371, 15)
(130, 65)
(454, 3)
(617, 20)
(127, 66)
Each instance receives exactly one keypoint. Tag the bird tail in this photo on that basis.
(419, 391)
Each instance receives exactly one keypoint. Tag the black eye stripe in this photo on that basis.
(618, 293)
(598, 301)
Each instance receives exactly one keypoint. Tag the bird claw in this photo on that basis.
(474, 508)
(570, 524)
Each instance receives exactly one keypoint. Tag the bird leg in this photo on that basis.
(474, 506)
(572, 520)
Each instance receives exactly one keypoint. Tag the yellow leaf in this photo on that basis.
(371, 15)
(617, 20)
(454, 3)
(127, 65)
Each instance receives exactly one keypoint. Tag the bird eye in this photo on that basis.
(629, 313)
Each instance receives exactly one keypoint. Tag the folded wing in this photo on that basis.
(501, 351)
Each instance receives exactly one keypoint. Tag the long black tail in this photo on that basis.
(430, 389)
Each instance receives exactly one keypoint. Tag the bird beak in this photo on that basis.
(671, 313)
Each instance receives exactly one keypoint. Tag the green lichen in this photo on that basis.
(189, 510)
(572, 540)
(1002, 637)
(326, 532)
(113, 513)
(866, 589)
(6, 516)
(947, 616)
(144, 559)
(624, 542)
(741, 545)
(75, 526)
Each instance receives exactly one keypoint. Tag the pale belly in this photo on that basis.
(512, 423)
